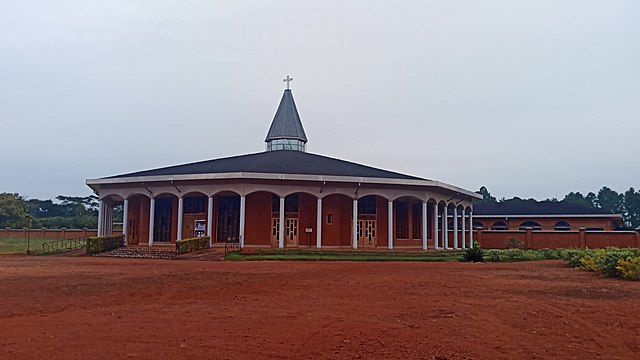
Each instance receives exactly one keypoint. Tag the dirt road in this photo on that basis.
(101, 308)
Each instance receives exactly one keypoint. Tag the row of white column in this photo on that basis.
(458, 234)
(105, 221)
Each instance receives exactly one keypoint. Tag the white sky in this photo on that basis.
(529, 98)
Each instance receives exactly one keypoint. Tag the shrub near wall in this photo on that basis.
(193, 244)
(100, 244)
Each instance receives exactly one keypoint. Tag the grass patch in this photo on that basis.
(19, 245)
(317, 255)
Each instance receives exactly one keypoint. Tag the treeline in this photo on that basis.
(69, 212)
(606, 201)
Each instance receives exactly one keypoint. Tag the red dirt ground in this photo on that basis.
(78, 308)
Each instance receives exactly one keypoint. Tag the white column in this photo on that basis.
(125, 219)
(424, 225)
(445, 228)
(354, 238)
(242, 215)
(100, 216)
(108, 228)
(435, 227)
(455, 228)
(464, 236)
(152, 215)
(180, 213)
(210, 220)
(319, 224)
(470, 228)
(281, 227)
(390, 226)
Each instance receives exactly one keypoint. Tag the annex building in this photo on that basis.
(286, 197)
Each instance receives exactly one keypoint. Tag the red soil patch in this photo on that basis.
(80, 308)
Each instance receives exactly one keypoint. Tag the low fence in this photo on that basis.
(495, 239)
(53, 234)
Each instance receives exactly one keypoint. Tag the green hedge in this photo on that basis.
(98, 244)
(193, 244)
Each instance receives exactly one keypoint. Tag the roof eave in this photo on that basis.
(95, 183)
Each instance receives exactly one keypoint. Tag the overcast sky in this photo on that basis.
(529, 98)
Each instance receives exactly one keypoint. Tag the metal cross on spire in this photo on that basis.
(287, 80)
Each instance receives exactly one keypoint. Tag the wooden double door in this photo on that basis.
(366, 233)
(291, 231)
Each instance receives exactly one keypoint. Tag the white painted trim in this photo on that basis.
(390, 226)
(464, 235)
(424, 225)
(436, 244)
(471, 229)
(268, 176)
(354, 228)
(100, 216)
(455, 228)
(319, 224)
(180, 215)
(281, 225)
(242, 220)
(210, 220)
(152, 214)
(125, 219)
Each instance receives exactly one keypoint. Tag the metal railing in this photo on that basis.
(56, 246)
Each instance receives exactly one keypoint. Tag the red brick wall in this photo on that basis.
(548, 223)
(559, 239)
(258, 219)
(308, 208)
(338, 233)
(382, 222)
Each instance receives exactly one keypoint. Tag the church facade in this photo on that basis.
(286, 197)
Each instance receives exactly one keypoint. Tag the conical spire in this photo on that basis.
(286, 128)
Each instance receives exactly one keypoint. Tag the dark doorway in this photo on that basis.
(162, 219)
(228, 219)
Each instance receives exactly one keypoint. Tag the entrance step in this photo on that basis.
(139, 253)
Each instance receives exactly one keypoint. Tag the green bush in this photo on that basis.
(509, 255)
(475, 254)
(98, 244)
(190, 245)
(610, 262)
(629, 268)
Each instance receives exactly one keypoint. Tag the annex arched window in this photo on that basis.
(530, 224)
(478, 225)
(499, 225)
(562, 226)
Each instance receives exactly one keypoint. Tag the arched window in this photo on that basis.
(499, 225)
(530, 224)
(478, 225)
(562, 226)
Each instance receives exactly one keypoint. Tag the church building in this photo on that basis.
(286, 197)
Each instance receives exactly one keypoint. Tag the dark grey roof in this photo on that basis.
(286, 124)
(276, 162)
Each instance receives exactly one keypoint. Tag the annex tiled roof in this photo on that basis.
(276, 162)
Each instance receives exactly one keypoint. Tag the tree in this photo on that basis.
(632, 208)
(13, 211)
(578, 198)
(610, 201)
(486, 195)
